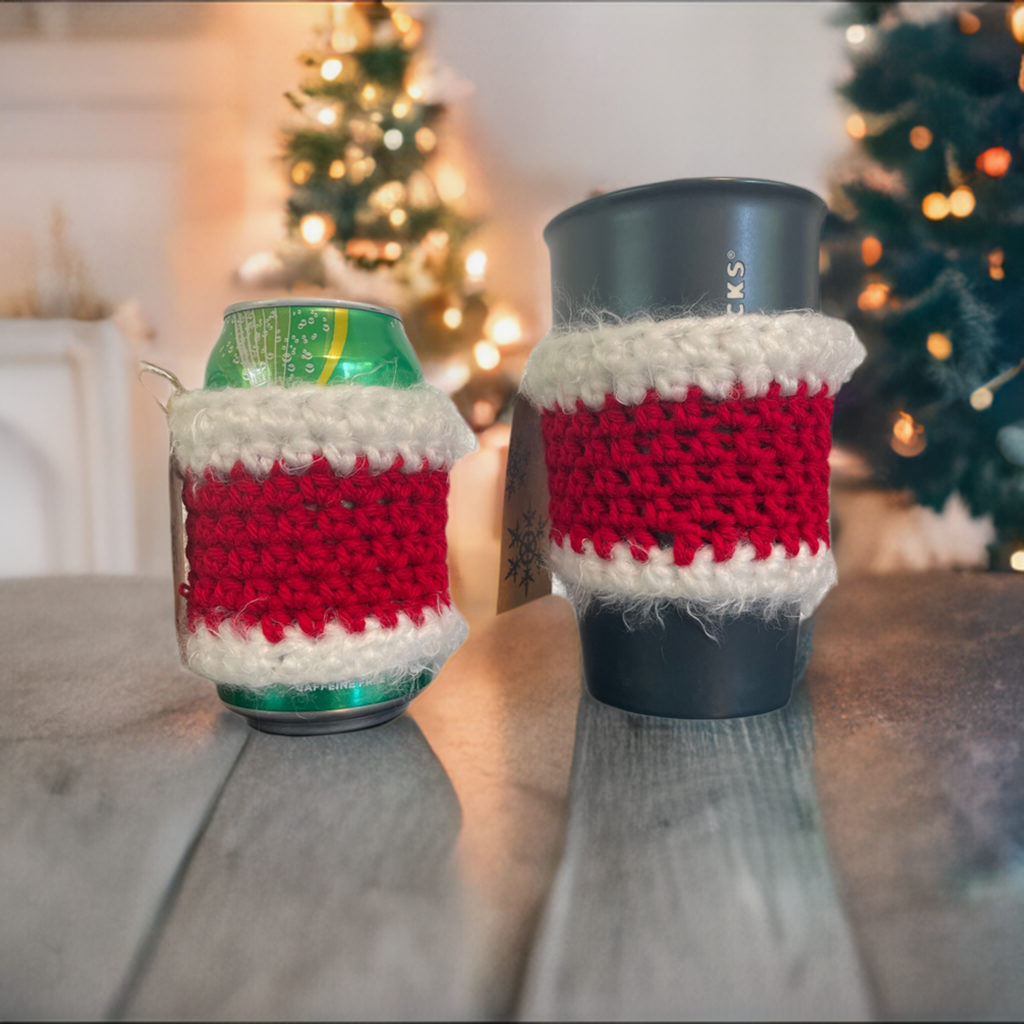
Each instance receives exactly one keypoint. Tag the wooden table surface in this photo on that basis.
(510, 848)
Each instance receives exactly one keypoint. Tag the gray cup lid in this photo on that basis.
(700, 244)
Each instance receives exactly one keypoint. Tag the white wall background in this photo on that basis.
(155, 126)
(570, 97)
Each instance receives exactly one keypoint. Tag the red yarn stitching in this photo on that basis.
(683, 475)
(312, 547)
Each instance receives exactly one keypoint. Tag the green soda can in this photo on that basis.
(283, 342)
(309, 503)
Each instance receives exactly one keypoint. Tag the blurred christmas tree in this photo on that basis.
(924, 254)
(376, 211)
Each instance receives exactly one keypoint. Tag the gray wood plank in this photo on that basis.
(695, 882)
(111, 758)
(395, 873)
(918, 691)
(502, 721)
(324, 888)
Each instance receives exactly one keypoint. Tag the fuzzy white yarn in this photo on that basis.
(709, 589)
(337, 658)
(628, 358)
(264, 425)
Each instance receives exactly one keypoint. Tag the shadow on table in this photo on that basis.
(695, 882)
(323, 887)
(501, 717)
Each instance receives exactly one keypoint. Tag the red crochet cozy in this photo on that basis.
(688, 458)
(310, 548)
(680, 476)
(315, 532)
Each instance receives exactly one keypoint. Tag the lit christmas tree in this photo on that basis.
(376, 212)
(924, 254)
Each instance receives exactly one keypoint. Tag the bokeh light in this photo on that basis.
(330, 69)
(961, 201)
(870, 251)
(316, 228)
(981, 399)
(476, 264)
(939, 345)
(507, 329)
(920, 137)
(486, 355)
(908, 437)
(935, 206)
(994, 162)
(874, 296)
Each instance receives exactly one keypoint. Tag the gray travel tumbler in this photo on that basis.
(665, 249)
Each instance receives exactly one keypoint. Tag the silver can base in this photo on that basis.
(320, 723)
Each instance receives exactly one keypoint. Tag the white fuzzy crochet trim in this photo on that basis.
(716, 354)
(708, 588)
(337, 657)
(264, 425)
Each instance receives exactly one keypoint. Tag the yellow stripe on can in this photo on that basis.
(337, 345)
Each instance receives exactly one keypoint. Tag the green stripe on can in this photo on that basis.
(305, 700)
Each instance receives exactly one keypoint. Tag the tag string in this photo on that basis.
(158, 371)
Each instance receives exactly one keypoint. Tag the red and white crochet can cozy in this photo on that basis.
(315, 532)
(688, 459)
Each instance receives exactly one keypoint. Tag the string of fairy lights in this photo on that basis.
(909, 437)
(385, 138)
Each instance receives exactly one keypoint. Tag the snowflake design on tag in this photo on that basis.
(526, 542)
(515, 470)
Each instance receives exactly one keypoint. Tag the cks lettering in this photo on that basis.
(734, 286)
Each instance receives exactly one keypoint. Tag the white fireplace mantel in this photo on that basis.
(66, 481)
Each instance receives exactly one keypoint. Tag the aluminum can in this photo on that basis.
(332, 342)
(327, 343)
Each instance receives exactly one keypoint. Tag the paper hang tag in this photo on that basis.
(523, 575)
